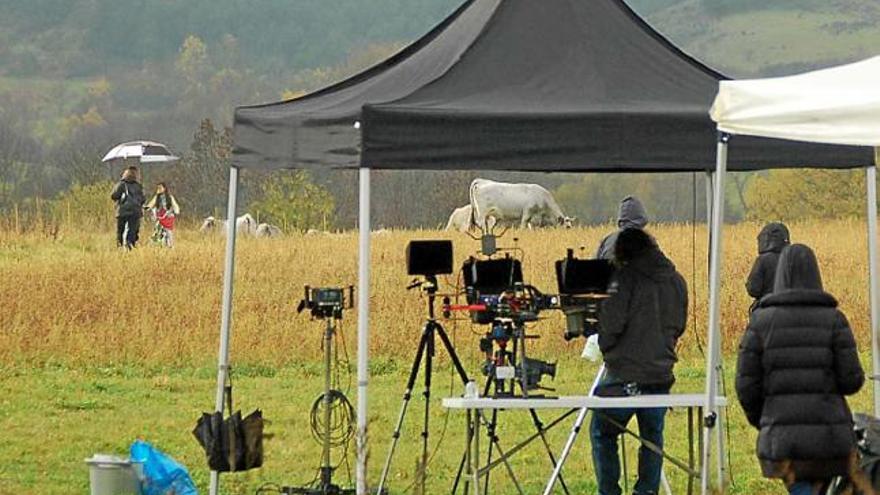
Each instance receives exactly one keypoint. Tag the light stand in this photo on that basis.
(327, 305)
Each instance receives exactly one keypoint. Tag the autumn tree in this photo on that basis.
(292, 201)
(791, 194)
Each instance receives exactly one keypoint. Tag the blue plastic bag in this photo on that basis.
(162, 474)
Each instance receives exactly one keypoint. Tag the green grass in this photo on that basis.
(52, 418)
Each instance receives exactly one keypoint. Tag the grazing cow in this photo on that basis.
(245, 225)
(526, 205)
(268, 230)
(462, 219)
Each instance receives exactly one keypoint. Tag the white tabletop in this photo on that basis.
(581, 401)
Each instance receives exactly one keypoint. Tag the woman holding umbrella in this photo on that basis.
(129, 197)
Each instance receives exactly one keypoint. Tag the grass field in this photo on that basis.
(99, 347)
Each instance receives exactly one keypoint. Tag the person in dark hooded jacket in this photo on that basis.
(639, 326)
(630, 215)
(797, 362)
(772, 239)
(129, 197)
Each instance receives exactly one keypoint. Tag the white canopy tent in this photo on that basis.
(840, 105)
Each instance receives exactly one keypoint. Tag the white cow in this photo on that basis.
(244, 224)
(268, 230)
(526, 205)
(462, 219)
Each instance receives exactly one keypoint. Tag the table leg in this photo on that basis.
(690, 481)
(467, 462)
(476, 454)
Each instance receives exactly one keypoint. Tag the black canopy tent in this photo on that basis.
(552, 85)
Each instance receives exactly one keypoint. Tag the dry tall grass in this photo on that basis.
(75, 299)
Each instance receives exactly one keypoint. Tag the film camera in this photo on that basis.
(326, 302)
(582, 284)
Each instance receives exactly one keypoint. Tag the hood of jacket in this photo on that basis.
(631, 214)
(773, 238)
(637, 250)
(797, 269)
(653, 264)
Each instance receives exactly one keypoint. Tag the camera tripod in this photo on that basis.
(498, 388)
(424, 355)
(330, 314)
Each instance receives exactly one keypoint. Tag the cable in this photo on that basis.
(341, 426)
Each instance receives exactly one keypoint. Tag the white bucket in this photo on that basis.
(112, 475)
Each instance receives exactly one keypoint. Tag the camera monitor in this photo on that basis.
(429, 258)
(492, 276)
(574, 276)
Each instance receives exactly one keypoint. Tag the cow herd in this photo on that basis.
(492, 204)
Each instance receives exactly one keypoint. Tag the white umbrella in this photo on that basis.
(145, 151)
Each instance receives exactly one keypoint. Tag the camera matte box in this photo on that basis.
(429, 258)
(492, 276)
(574, 276)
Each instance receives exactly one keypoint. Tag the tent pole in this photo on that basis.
(709, 422)
(709, 181)
(363, 326)
(226, 311)
(720, 447)
(871, 182)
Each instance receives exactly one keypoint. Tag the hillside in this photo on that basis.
(77, 76)
(771, 38)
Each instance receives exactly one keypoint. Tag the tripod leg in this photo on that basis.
(429, 361)
(456, 362)
(540, 428)
(407, 396)
(569, 444)
(490, 431)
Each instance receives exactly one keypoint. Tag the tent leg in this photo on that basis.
(709, 193)
(226, 311)
(720, 451)
(363, 327)
(871, 182)
(714, 345)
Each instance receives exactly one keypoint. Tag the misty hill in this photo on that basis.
(89, 38)
(77, 76)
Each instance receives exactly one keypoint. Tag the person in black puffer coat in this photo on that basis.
(774, 237)
(797, 362)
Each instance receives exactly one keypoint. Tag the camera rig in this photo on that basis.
(326, 302)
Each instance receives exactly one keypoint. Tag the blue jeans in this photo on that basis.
(606, 460)
(801, 488)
